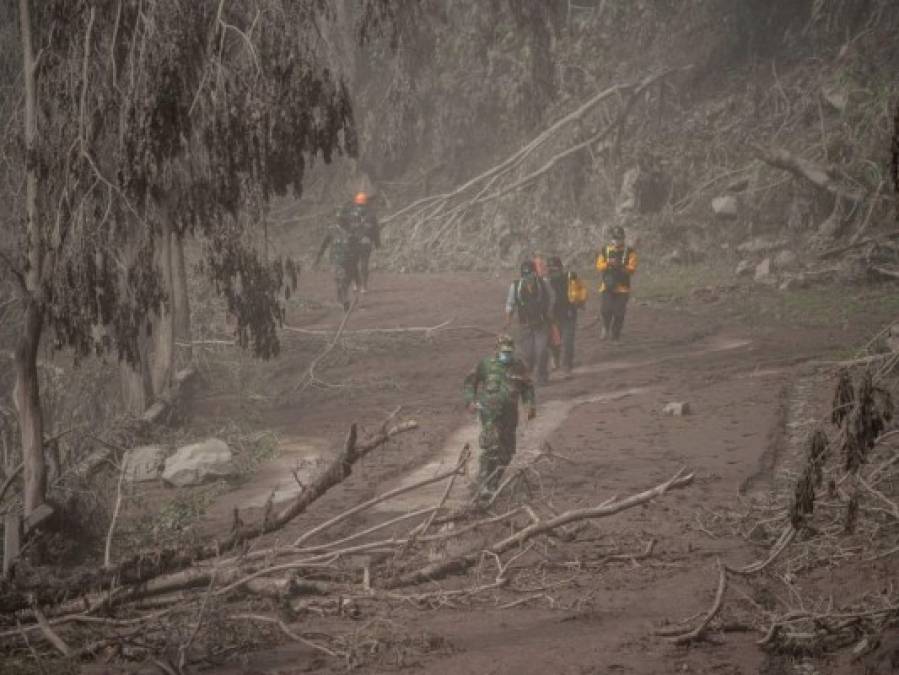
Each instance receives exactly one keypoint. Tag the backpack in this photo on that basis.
(577, 290)
(533, 309)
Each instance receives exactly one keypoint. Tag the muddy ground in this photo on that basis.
(748, 360)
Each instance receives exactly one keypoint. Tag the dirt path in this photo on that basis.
(606, 422)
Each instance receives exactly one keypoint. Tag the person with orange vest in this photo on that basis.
(616, 263)
(359, 219)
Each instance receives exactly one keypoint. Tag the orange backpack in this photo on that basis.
(577, 290)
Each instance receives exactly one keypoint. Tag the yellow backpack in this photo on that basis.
(577, 290)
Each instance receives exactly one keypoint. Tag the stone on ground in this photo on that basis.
(196, 463)
(725, 207)
(143, 463)
(763, 271)
(677, 409)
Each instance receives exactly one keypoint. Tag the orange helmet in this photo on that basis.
(361, 198)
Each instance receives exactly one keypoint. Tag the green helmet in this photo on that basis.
(505, 343)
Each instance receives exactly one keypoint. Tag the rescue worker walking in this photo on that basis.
(616, 264)
(570, 295)
(494, 388)
(532, 299)
(343, 256)
(359, 219)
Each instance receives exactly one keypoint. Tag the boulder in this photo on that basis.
(725, 206)
(836, 96)
(677, 409)
(627, 196)
(196, 463)
(744, 268)
(763, 270)
(143, 463)
(793, 283)
(785, 259)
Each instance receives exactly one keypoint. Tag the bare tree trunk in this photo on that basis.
(137, 386)
(163, 365)
(28, 408)
(27, 388)
(181, 298)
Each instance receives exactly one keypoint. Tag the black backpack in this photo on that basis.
(533, 308)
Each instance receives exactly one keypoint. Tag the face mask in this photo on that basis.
(505, 357)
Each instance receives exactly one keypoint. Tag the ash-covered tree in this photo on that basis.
(139, 123)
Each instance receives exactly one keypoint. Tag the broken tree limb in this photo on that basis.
(142, 568)
(309, 376)
(822, 177)
(833, 252)
(782, 542)
(697, 633)
(339, 518)
(462, 562)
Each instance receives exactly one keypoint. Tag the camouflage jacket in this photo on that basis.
(342, 245)
(362, 223)
(495, 385)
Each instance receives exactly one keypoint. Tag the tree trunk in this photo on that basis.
(137, 386)
(28, 408)
(27, 388)
(181, 299)
(163, 365)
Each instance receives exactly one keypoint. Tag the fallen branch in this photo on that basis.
(115, 516)
(51, 635)
(821, 177)
(783, 541)
(309, 376)
(169, 568)
(284, 629)
(696, 633)
(463, 561)
(833, 252)
(339, 518)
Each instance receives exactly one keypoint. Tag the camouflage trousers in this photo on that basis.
(497, 442)
(344, 273)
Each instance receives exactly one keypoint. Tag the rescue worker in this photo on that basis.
(494, 388)
(343, 256)
(570, 296)
(616, 264)
(531, 299)
(359, 219)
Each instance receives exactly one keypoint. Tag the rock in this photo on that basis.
(761, 245)
(744, 268)
(627, 196)
(763, 270)
(725, 207)
(143, 463)
(793, 283)
(674, 257)
(677, 409)
(198, 462)
(836, 96)
(785, 259)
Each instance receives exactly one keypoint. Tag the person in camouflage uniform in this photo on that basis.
(494, 389)
(343, 256)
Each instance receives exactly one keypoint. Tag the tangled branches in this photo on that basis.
(244, 596)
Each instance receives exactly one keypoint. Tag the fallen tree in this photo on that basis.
(330, 577)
